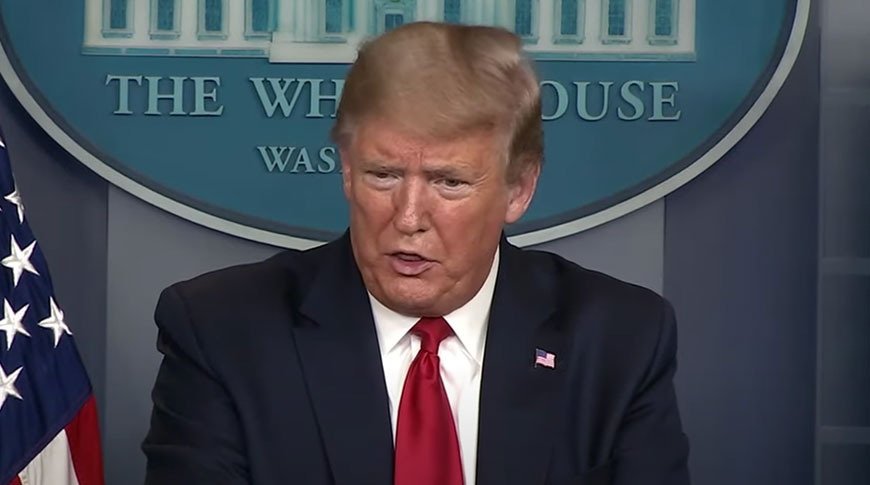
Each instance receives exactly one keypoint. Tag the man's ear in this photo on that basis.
(521, 191)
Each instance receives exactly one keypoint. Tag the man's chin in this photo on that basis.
(413, 304)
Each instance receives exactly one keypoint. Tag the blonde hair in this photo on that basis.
(442, 80)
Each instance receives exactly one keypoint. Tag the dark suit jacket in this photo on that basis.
(272, 375)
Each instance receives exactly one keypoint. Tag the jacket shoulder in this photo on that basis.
(250, 278)
(276, 280)
(573, 282)
(592, 305)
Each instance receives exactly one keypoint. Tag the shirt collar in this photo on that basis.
(468, 322)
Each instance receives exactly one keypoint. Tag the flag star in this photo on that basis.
(55, 322)
(7, 385)
(15, 198)
(19, 260)
(11, 323)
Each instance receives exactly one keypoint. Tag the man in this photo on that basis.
(421, 347)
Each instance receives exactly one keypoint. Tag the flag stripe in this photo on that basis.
(85, 446)
(53, 465)
(15, 481)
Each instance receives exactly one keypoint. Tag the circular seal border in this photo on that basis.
(533, 236)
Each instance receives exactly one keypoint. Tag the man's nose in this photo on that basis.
(412, 213)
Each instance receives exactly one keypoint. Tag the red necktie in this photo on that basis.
(427, 449)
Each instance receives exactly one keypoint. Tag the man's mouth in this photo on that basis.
(409, 264)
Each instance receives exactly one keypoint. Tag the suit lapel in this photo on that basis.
(341, 360)
(518, 399)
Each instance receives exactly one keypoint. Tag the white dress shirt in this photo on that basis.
(461, 357)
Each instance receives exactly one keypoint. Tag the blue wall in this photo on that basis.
(843, 398)
(740, 267)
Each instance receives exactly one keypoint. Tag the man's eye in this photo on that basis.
(452, 183)
(380, 175)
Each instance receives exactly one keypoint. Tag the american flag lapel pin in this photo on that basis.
(545, 359)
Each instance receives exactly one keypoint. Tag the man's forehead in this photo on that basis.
(389, 140)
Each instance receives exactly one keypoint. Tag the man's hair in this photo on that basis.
(440, 81)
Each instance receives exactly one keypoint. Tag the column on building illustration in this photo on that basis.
(569, 21)
(663, 21)
(484, 12)
(305, 17)
(616, 21)
(117, 18)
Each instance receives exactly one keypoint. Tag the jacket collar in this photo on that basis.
(517, 398)
(338, 348)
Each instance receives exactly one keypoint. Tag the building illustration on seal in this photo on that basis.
(331, 30)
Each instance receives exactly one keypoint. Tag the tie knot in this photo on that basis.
(431, 330)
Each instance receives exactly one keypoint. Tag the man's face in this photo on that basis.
(426, 216)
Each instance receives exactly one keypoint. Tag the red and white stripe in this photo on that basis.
(73, 457)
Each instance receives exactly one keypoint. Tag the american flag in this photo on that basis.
(48, 418)
(544, 358)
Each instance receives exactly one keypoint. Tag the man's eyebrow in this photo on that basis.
(445, 172)
(458, 169)
(378, 164)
